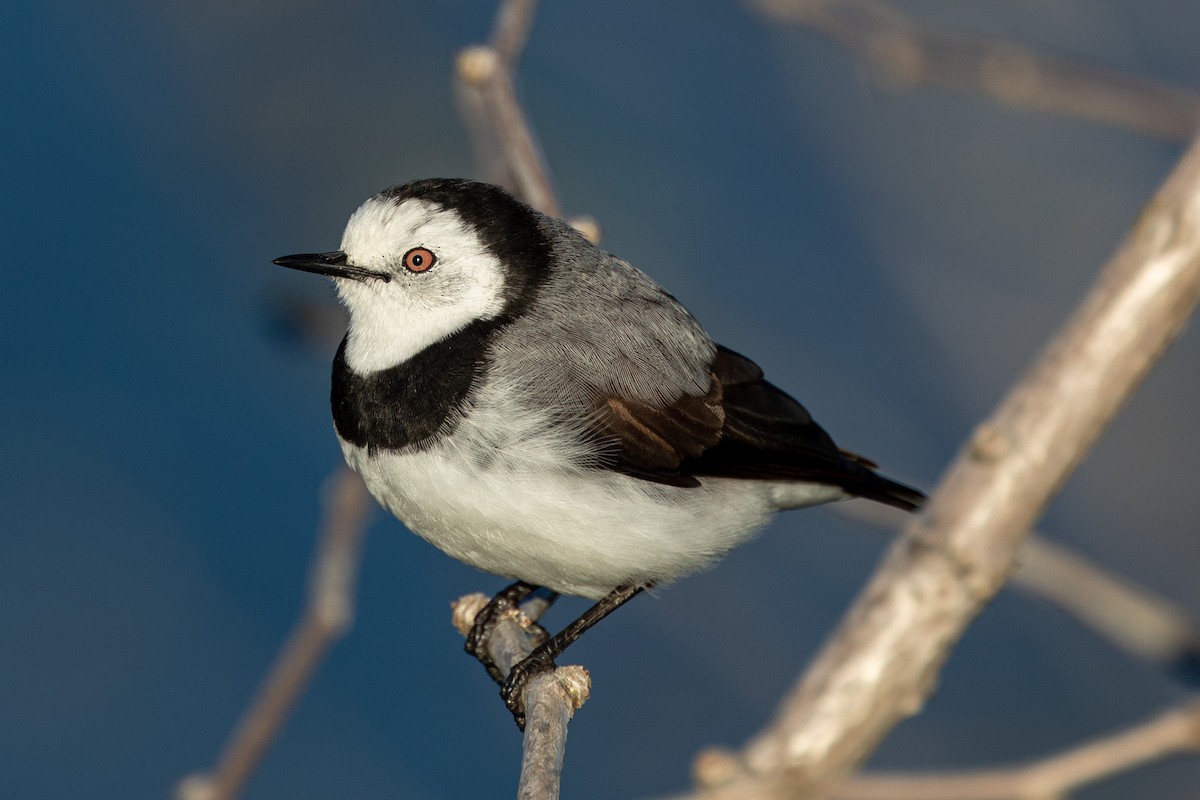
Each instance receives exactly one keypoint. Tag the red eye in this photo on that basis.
(419, 259)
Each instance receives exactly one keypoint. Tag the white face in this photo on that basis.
(390, 321)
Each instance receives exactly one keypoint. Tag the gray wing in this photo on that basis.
(624, 362)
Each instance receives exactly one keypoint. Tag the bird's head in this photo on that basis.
(421, 261)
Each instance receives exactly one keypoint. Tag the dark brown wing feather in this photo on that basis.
(655, 440)
(744, 427)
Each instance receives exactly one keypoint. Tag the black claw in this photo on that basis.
(512, 691)
(476, 646)
(486, 619)
(512, 687)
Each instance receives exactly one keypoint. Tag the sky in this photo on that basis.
(892, 258)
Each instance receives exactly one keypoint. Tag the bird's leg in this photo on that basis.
(542, 658)
(487, 618)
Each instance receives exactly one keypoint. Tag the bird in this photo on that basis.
(542, 410)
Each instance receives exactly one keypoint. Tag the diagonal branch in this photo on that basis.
(882, 662)
(904, 53)
(506, 147)
(1135, 618)
(326, 618)
(1172, 732)
(1131, 616)
(510, 32)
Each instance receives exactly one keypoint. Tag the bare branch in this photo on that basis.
(550, 698)
(513, 23)
(1170, 733)
(505, 146)
(326, 618)
(903, 53)
(1173, 732)
(1131, 616)
(882, 662)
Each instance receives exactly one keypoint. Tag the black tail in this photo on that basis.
(863, 481)
(896, 494)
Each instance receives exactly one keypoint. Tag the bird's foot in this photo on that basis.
(512, 690)
(505, 603)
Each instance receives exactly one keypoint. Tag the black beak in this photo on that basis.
(332, 264)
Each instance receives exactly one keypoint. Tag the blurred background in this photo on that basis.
(894, 259)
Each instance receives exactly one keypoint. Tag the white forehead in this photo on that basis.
(382, 230)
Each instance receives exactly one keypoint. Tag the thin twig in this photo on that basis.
(882, 662)
(1131, 616)
(511, 30)
(1172, 732)
(904, 53)
(550, 698)
(505, 145)
(328, 615)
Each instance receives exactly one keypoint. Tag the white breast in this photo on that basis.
(578, 531)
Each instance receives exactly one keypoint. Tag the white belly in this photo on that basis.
(579, 532)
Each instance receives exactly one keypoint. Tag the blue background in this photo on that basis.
(893, 259)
